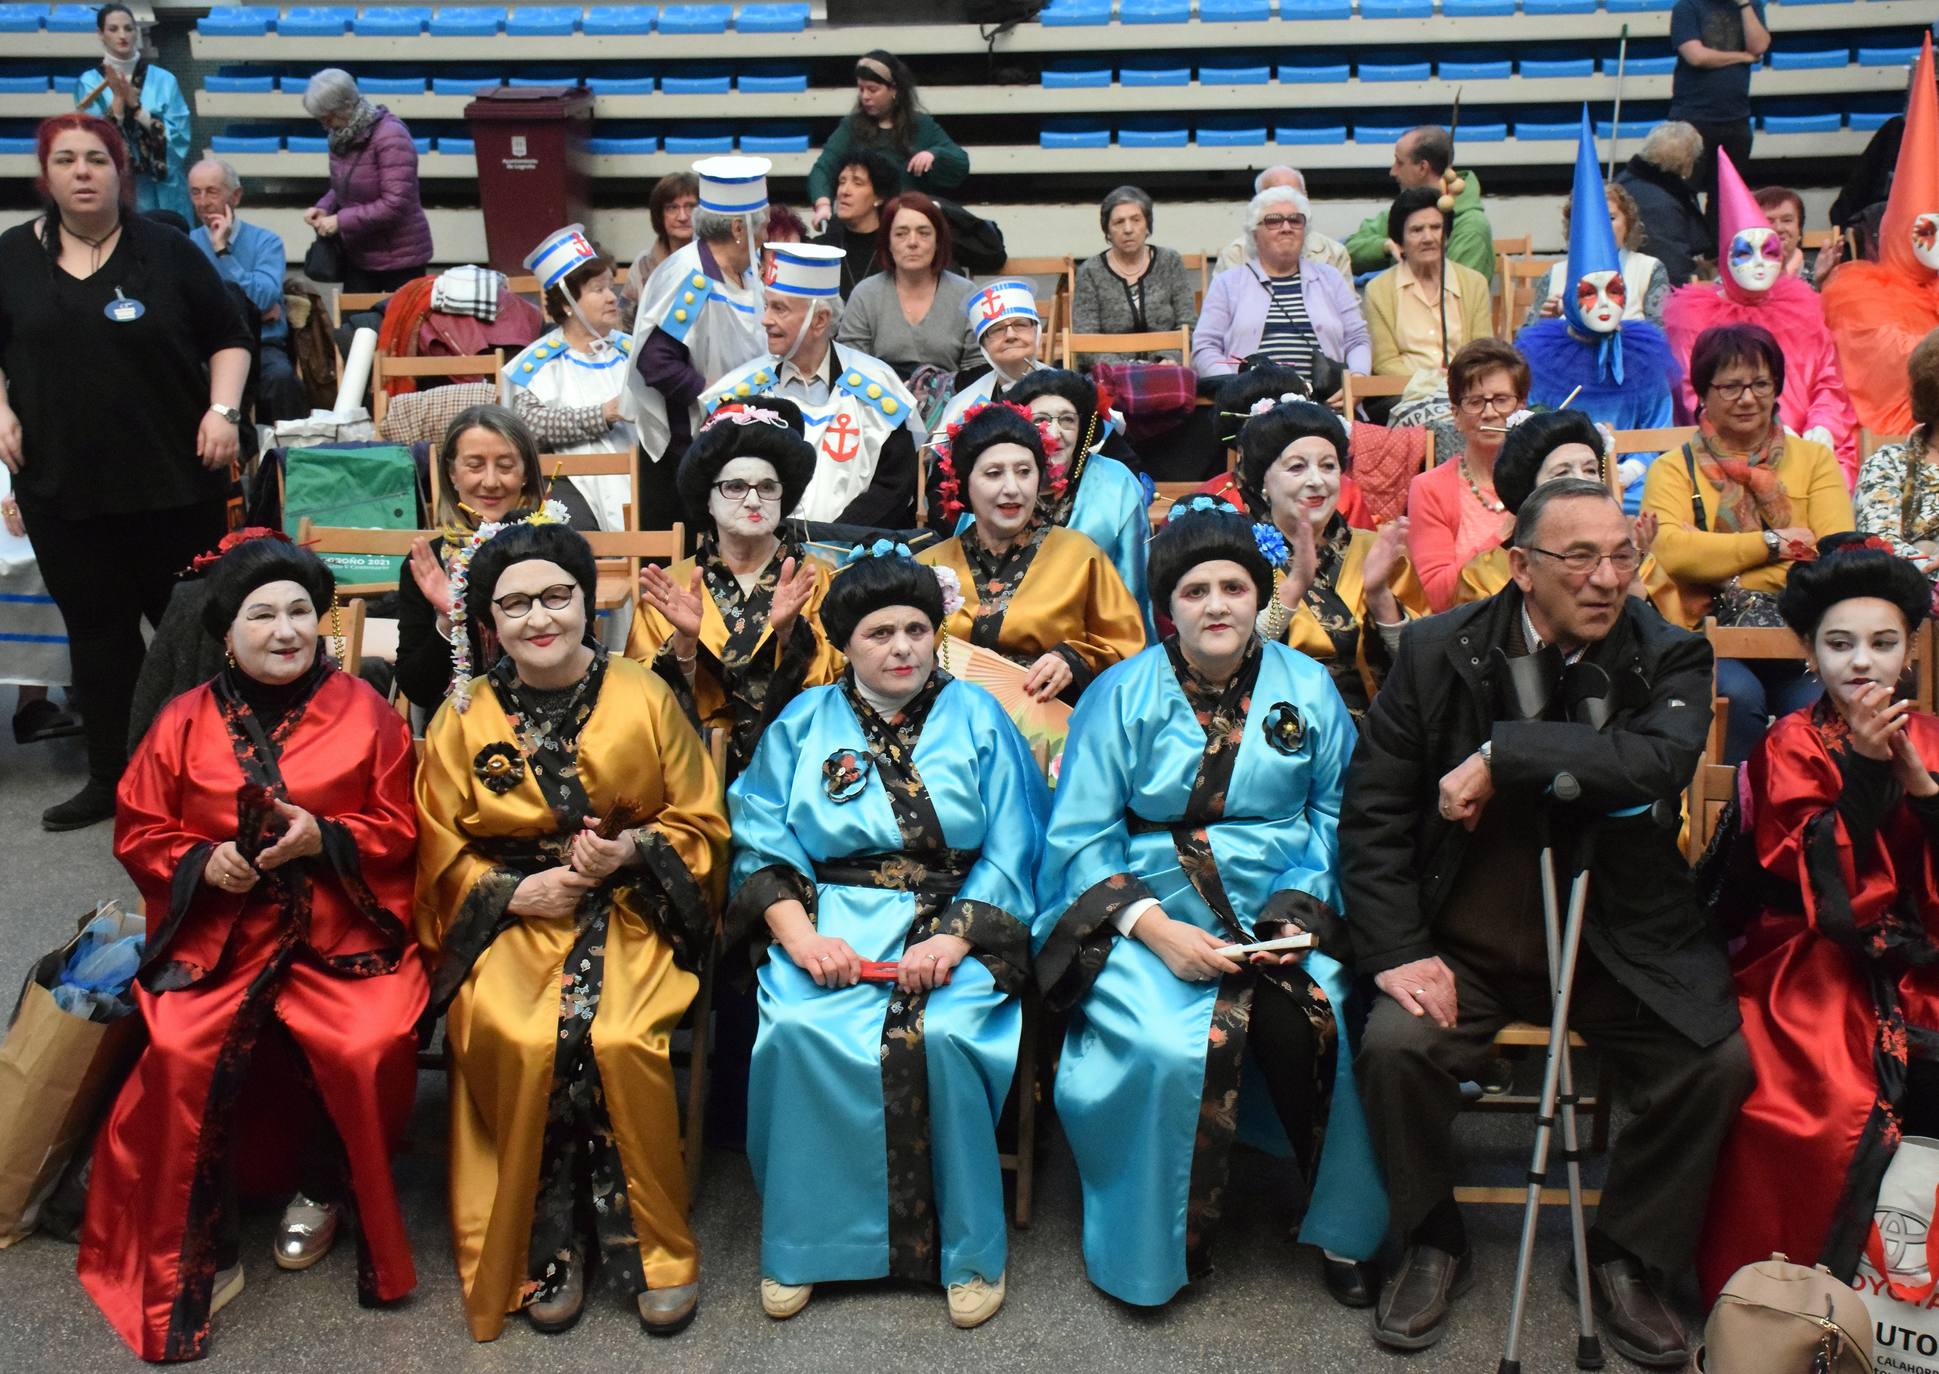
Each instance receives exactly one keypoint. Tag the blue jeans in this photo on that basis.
(1759, 690)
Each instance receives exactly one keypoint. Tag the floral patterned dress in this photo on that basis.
(1897, 498)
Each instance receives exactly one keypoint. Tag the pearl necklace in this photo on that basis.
(1473, 486)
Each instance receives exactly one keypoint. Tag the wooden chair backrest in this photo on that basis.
(1166, 495)
(619, 554)
(1870, 443)
(1355, 387)
(382, 369)
(1654, 440)
(1521, 278)
(322, 539)
(1148, 342)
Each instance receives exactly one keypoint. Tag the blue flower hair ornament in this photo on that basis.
(1272, 544)
(1194, 504)
(881, 548)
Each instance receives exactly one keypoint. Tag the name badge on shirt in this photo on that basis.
(122, 310)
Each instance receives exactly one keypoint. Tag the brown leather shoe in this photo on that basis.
(1413, 1310)
(1633, 1315)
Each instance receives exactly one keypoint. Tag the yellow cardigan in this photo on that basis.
(1380, 303)
(1700, 560)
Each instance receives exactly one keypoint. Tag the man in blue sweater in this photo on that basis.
(252, 258)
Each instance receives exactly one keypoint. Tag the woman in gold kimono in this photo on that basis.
(571, 840)
(1041, 594)
(1342, 593)
(735, 630)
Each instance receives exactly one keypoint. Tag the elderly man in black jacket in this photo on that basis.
(1439, 842)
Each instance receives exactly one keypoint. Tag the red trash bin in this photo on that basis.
(530, 177)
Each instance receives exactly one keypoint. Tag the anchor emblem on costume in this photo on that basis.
(992, 306)
(843, 439)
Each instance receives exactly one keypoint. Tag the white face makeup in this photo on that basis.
(273, 637)
(1003, 490)
(753, 514)
(1600, 297)
(1570, 460)
(1925, 239)
(1859, 643)
(1213, 607)
(542, 640)
(892, 651)
(1303, 484)
(1756, 258)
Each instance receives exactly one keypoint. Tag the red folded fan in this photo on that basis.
(881, 971)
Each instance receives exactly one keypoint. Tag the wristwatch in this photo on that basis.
(1772, 544)
(1487, 751)
(229, 413)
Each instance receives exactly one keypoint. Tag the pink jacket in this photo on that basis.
(373, 193)
(1446, 527)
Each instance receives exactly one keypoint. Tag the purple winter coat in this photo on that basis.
(373, 193)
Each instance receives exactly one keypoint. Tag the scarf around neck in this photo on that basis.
(357, 130)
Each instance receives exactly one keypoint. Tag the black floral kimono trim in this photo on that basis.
(1080, 942)
(147, 147)
(997, 577)
(1883, 953)
(758, 684)
(210, 1199)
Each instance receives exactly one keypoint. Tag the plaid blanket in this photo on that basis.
(468, 290)
(1153, 398)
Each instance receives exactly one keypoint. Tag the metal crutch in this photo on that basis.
(1563, 941)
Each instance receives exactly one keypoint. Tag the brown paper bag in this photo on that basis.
(57, 1072)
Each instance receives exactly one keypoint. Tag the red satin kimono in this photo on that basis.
(317, 946)
(1836, 984)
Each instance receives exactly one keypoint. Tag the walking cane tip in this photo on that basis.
(1588, 1352)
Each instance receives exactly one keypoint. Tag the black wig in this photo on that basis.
(1203, 536)
(254, 564)
(1847, 566)
(870, 584)
(722, 440)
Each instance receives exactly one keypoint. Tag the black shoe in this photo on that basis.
(1353, 1283)
(90, 806)
(1633, 1315)
(1414, 1306)
(42, 719)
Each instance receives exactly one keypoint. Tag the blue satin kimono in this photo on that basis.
(1641, 396)
(161, 96)
(1152, 1064)
(871, 1115)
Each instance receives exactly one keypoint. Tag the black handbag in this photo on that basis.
(325, 262)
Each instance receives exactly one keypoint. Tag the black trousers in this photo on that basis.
(106, 572)
(361, 279)
(1734, 137)
(1282, 1044)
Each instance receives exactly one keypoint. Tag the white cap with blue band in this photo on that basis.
(559, 252)
(812, 270)
(733, 185)
(1008, 299)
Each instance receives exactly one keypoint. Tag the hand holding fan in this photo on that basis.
(1042, 722)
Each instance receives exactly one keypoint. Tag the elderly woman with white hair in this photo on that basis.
(373, 204)
(1291, 309)
(1133, 286)
(1658, 180)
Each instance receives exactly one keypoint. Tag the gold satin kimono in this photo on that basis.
(1487, 573)
(742, 678)
(1340, 625)
(486, 822)
(1055, 593)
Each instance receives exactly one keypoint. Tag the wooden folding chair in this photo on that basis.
(619, 554)
(1200, 263)
(322, 539)
(1165, 496)
(1033, 1073)
(382, 369)
(613, 463)
(1507, 251)
(1665, 440)
(1519, 1036)
(350, 302)
(1356, 387)
(1152, 341)
(1521, 278)
(1870, 443)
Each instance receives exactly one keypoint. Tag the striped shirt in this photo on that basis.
(1289, 339)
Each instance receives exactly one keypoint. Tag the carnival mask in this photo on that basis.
(1756, 258)
(1599, 297)
(1925, 239)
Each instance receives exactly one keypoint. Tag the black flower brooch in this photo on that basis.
(845, 773)
(1285, 731)
(500, 767)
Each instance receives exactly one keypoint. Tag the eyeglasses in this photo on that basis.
(518, 605)
(1763, 389)
(1501, 405)
(768, 489)
(1584, 562)
(1013, 327)
(1283, 222)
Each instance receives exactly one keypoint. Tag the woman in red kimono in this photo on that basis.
(267, 821)
(1838, 976)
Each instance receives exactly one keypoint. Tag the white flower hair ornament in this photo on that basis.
(459, 690)
(952, 587)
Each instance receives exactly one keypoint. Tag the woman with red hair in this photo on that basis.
(910, 312)
(122, 363)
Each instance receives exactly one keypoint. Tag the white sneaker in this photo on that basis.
(973, 1303)
(783, 1300)
(225, 1288)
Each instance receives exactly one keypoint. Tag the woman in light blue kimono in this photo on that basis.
(146, 104)
(886, 836)
(1196, 809)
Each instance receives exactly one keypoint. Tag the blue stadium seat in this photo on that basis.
(71, 19)
(1825, 122)
(1492, 69)
(1482, 133)
(239, 83)
(1396, 71)
(696, 19)
(234, 21)
(1074, 13)
(307, 143)
(1315, 9)
(1072, 74)
(24, 85)
(1470, 9)
(1527, 130)
(532, 78)
(468, 21)
(1809, 60)
(1229, 73)
(541, 21)
(1234, 11)
(1315, 75)
(1073, 133)
(1380, 133)
(244, 138)
(1231, 133)
(771, 18)
(1154, 73)
(13, 145)
(620, 19)
(620, 85)
(1632, 128)
(423, 145)
(1662, 64)
(389, 84)
(456, 147)
(316, 21)
(1309, 134)
(697, 142)
(464, 84)
(1558, 6)
(1887, 57)
(1154, 11)
(1637, 6)
(1396, 9)
(1575, 68)
(1159, 131)
(396, 22)
(697, 81)
(780, 138)
(27, 18)
(772, 80)
(1871, 121)
(623, 145)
